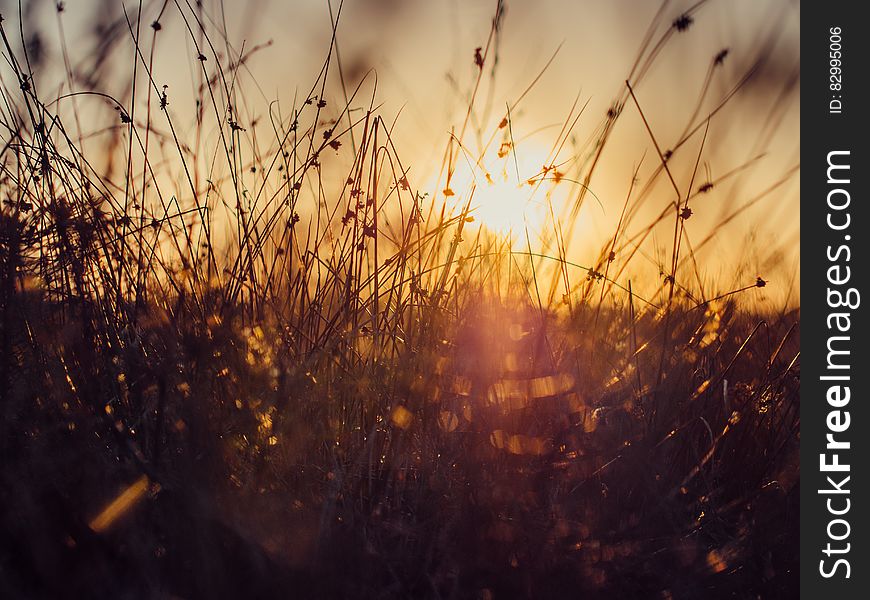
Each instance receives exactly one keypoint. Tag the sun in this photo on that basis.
(507, 190)
(506, 206)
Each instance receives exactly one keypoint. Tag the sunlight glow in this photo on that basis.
(120, 505)
(504, 207)
(508, 195)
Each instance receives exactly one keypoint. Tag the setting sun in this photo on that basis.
(508, 190)
(506, 207)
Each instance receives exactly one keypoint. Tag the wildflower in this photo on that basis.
(685, 213)
(478, 57)
(759, 282)
(683, 22)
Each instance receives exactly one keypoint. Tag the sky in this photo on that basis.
(421, 53)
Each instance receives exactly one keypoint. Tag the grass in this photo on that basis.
(248, 365)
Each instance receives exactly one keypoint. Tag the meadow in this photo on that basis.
(251, 358)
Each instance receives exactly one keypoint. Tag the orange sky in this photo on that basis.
(422, 52)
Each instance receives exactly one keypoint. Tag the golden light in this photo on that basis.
(506, 207)
(508, 189)
(122, 503)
